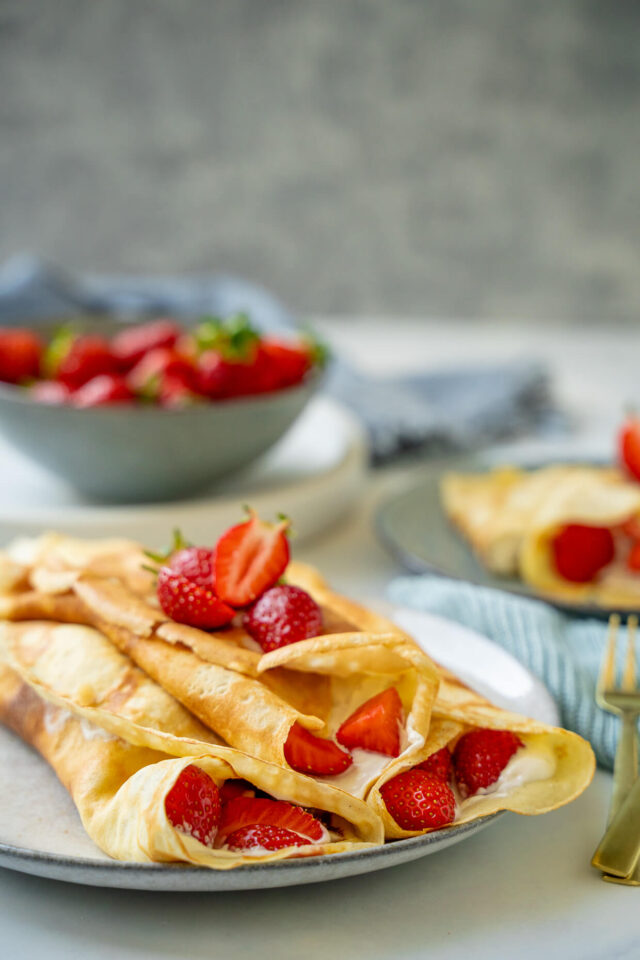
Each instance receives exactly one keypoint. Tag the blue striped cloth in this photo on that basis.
(562, 651)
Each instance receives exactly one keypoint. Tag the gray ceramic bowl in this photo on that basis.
(134, 454)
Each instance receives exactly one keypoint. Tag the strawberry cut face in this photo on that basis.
(375, 725)
(242, 812)
(314, 755)
(249, 558)
(193, 806)
(263, 836)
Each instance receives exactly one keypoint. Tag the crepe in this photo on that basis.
(118, 742)
(553, 768)
(511, 517)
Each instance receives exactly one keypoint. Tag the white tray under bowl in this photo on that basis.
(314, 475)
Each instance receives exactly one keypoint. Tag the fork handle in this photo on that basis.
(625, 768)
(619, 849)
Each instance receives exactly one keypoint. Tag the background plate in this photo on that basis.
(40, 832)
(413, 527)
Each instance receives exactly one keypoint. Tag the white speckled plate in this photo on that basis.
(40, 832)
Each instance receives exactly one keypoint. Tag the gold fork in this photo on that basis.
(619, 849)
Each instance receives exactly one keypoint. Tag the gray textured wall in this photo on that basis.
(389, 156)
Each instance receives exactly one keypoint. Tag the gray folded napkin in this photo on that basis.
(448, 409)
(562, 651)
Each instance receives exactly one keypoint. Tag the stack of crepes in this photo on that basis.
(121, 700)
(571, 531)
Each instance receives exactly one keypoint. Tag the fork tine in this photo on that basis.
(629, 674)
(607, 675)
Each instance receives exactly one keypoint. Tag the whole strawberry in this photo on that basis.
(187, 602)
(438, 765)
(20, 355)
(417, 801)
(480, 757)
(283, 615)
(194, 563)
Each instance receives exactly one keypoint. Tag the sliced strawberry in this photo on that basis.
(249, 558)
(49, 391)
(249, 811)
(86, 357)
(480, 757)
(438, 765)
(629, 446)
(231, 789)
(193, 805)
(175, 394)
(284, 614)
(102, 391)
(132, 343)
(20, 355)
(375, 725)
(631, 528)
(581, 551)
(216, 377)
(633, 557)
(186, 602)
(314, 755)
(147, 376)
(417, 801)
(264, 836)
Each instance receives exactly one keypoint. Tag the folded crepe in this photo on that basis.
(118, 742)
(552, 768)
(511, 518)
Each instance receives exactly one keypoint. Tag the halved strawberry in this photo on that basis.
(102, 391)
(249, 558)
(147, 376)
(249, 811)
(417, 801)
(231, 789)
(187, 602)
(264, 836)
(315, 755)
(480, 757)
(132, 343)
(438, 765)
(49, 391)
(633, 557)
(86, 356)
(375, 725)
(193, 805)
(288, 360)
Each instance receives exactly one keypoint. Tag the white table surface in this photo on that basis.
(522, 888)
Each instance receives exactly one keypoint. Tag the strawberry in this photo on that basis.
(438, 765)
(289, 361)
(231, 789)
(315, 755)
(629, 446)
(83, 358)
(375, 725)
(194, 563)
(148, 374)
(581, 551)
(633, 557)
(480, 757)
(49, 391)
(417, 801)
(250, 811)
(249, 558)
(175, 394)
(102, 391)
(216, 377)
(20, 355)
(132, 343)
(187, 602)
(193, 805)
(283, 615)
(264, 836)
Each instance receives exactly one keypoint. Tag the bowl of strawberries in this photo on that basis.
(132, 412)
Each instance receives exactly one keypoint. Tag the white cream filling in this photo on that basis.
(55, 718)
(528, 764)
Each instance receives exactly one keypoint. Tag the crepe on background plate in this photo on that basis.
(511, 517)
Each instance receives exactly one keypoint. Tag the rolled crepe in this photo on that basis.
(552, 768)
(593, 498)
(118, 742)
